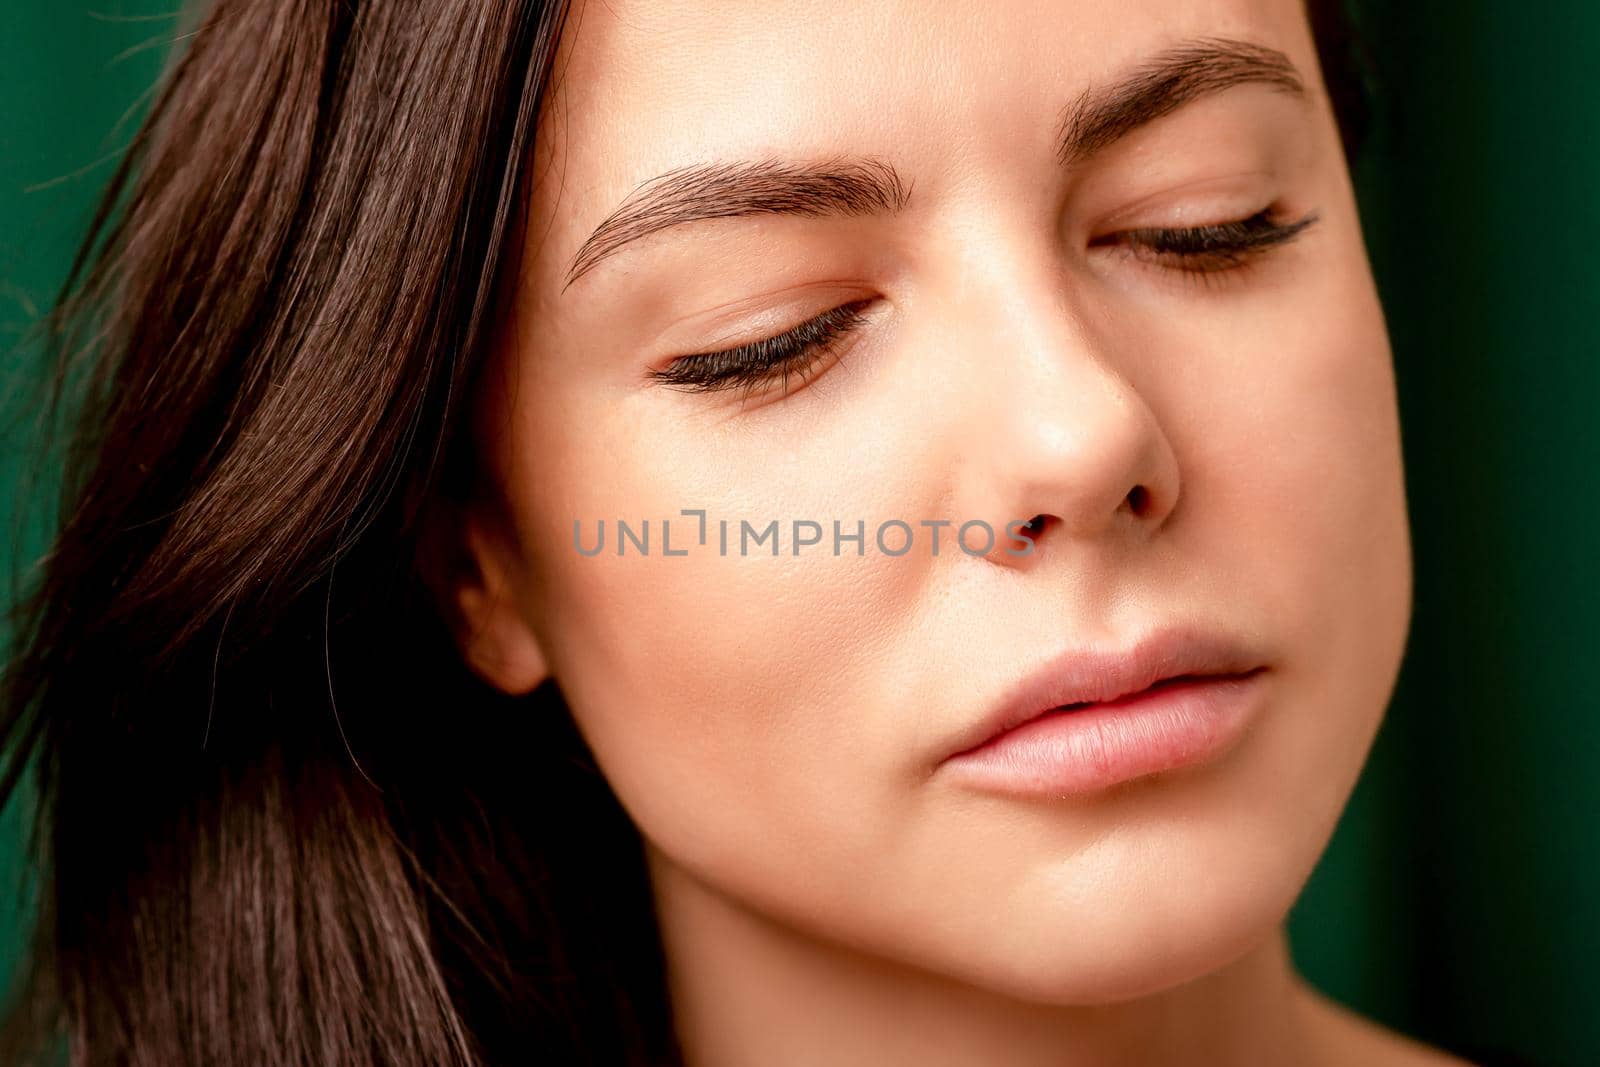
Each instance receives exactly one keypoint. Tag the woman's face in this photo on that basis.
(1206, 419)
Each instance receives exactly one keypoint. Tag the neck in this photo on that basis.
(748, 990)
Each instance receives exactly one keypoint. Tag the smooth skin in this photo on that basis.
(1213, 448)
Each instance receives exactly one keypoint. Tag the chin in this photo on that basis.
(1144, 916)
(1104, 961)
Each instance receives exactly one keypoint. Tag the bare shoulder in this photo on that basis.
(1349, 1037)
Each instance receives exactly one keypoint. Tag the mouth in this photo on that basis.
(1089, 717)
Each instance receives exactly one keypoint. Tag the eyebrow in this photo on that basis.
(843, 186)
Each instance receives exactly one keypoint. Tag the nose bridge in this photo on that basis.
(1055, 428)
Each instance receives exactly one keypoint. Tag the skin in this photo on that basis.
(772, 724)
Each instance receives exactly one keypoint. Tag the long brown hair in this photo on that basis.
(279, 822)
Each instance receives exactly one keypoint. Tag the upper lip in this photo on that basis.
(1092, 675)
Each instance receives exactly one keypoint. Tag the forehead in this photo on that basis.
(642, 87)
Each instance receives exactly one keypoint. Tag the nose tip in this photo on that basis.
(1088, 473)
(1096, 466)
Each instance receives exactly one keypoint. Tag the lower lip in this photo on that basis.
(1084, 750)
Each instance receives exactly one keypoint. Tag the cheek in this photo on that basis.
(717, 688)
(1299, 473)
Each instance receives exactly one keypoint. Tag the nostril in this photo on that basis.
(1138, 500)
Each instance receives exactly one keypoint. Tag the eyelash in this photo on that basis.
(794, 352)
(1214, 248)
(1200, 250)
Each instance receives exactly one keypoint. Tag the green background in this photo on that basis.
(1457, 901)
(74, 77)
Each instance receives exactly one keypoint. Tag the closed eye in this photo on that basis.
(798, 352)
(1209, 249)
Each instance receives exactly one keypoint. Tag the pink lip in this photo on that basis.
(1091, 718)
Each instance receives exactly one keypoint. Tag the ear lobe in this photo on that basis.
(473, 577)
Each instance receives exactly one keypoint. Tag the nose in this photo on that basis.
(1060, 438)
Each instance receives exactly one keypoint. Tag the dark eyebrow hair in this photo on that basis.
(839, 186)
(844, 186)
(1166, 82)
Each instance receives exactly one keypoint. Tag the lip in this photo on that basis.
(1089, 718)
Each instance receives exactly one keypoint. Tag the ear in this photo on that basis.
(471, 564)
